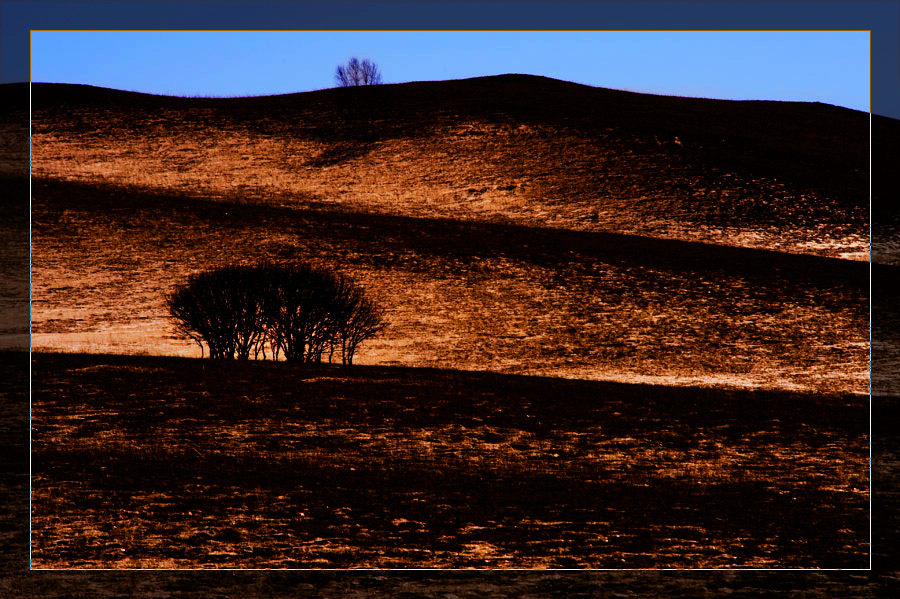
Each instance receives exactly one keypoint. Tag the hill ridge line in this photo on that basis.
(484, 79)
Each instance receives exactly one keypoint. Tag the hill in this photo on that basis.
(513, 148)
(515, 223)
(474, 296)
(522, 233)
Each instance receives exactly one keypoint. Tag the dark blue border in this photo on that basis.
(881, 17)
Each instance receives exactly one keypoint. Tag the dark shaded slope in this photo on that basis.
(385, 240)
(271, 465)
(885, 176)
(14, 261)
(14, 148)
(14, 96)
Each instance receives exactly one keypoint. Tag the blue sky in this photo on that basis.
(830, 67)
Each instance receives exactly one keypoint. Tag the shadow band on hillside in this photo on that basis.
(692, 402)
(385, 237)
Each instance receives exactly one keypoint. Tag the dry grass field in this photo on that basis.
(517, 149)
(537, 244)
(16, 581)
(162, 462)
(475, 296)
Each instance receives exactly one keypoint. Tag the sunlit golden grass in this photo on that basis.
(538, 176)
(472, 298)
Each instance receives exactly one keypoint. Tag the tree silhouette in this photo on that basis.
(220, 307)
(364, 319)
(357, 72)
(297, 311)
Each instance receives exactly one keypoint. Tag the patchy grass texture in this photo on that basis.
(163, 462)
(532, 261)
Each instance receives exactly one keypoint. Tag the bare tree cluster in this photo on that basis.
(357, 72)
(294, 311)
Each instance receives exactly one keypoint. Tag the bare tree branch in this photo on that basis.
(295, 310)
(357, 72)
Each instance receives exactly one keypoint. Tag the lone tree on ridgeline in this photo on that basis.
(357, 72)
(297, 311)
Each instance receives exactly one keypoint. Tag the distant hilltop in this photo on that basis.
(521, 148)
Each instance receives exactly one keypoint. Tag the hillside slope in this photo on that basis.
(467, 295)
(512, 148)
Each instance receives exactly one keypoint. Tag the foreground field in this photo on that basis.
(17, 581)
(168, 462)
